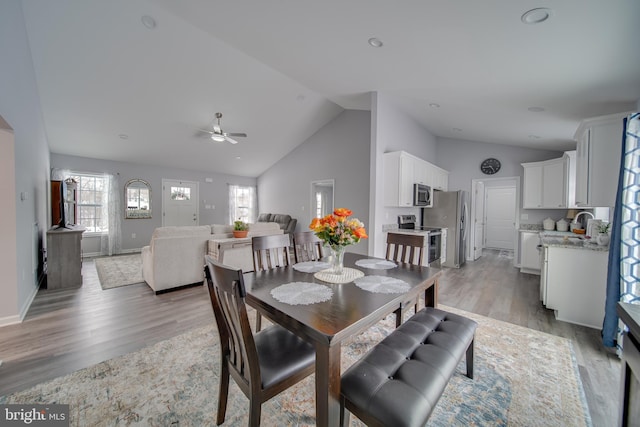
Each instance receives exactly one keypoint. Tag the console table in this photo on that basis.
(630, 388)
(232, 251)
(64, 257)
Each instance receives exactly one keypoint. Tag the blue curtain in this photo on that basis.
(623, 275)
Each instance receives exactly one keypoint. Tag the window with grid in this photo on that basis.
(89, 199)
(242, 203)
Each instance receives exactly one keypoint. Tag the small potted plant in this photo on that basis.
(240, 229)
(603, 234)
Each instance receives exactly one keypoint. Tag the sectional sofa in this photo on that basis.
(175, 255)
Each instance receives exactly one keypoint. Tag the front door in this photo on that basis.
(180, 201)
(500, 209)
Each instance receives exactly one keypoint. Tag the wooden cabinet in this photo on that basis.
(64, 257)
(530, 253)
(402, 170)
(598, 150)
(545, 184)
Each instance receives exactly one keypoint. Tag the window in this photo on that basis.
(242, 203)
(90, 196)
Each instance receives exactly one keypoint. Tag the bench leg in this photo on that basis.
(344, 417)
(470, 359)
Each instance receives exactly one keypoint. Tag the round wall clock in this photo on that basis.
(490, 166)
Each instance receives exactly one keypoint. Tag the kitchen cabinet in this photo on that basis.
(398, 178)
(530, 253)
(402, 170)
(599, 145)
(573, 283)
(545, 184)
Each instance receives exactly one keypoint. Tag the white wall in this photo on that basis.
(339, 151)
(20, 108)
(462, 159)
(392, 130)
(213, 193)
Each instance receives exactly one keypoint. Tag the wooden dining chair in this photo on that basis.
(306, 246)
(262, 365)
(270, 252)
(406, 248)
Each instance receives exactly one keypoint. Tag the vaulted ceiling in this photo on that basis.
(135, 80)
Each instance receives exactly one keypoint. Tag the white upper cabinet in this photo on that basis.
(599, 145)
(402, 170)
(545, 184)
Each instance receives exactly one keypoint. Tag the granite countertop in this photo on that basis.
(570, 240)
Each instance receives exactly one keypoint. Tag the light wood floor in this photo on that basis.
(66, 330)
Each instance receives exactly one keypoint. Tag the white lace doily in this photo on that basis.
(382, 284)
(302, 293)
(348, 275)
(311, 266)
(378, 264)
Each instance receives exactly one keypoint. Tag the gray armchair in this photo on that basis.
(286, 223)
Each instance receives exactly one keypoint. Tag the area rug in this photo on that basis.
(522, 378)
(119, 270)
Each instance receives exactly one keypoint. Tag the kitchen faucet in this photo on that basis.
(575, 220)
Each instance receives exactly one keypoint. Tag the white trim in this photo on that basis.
(10, 320)
(18, 318)
(471, 242)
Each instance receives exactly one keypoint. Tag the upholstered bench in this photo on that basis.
(399, 381)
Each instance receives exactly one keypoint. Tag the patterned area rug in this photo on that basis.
(522, 378)
(119, 270)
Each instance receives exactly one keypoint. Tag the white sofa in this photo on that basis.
(175, 255)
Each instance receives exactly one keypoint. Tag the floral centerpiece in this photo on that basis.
(338, 231)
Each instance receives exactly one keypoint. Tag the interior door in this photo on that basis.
(478, 221)
(180, 201)
(500, 217)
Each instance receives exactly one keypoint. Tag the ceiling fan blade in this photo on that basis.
(231, 140)
(206, 131)
(241, 134)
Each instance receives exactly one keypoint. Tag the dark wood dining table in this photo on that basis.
(328, 324)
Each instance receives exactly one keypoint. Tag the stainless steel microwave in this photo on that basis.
(422, 195)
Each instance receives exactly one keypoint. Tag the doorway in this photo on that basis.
(180, 202)
(494, 214)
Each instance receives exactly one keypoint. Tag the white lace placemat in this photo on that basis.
(302, 293)
(378, 264)
(348, 275)
(382, 284)
(311, 266)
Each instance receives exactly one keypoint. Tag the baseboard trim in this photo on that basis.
(27, 304)
(10, 320)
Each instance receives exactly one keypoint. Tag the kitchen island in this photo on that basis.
(573, 278)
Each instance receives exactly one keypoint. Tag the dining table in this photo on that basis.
(350, 310)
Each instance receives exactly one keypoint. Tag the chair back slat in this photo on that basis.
(270, 251)
(306, 246)
(227, 293)
(405, 248)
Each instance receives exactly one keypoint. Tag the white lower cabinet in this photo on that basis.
(573, 283)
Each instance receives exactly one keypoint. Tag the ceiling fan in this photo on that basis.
(218, 135)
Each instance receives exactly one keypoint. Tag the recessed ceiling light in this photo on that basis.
(148, 22)
(456, 130)
(300, 98)
(123, 136)
(375, 42)
(434, 105)
(238, 158)
(536, 109)
(534, 137)
(536, 16)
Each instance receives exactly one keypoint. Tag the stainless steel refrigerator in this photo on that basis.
(450, 211)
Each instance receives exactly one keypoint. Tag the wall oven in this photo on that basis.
(422, 196)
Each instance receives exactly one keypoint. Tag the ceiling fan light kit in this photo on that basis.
(218, 135)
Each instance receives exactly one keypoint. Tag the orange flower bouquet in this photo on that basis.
(337, 231)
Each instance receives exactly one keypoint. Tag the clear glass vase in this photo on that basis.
(337, 259)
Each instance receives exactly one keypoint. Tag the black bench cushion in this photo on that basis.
(401, 379)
